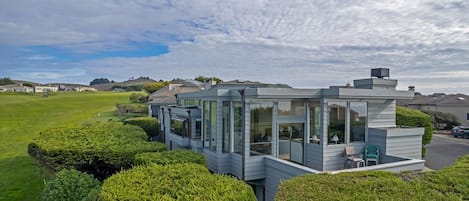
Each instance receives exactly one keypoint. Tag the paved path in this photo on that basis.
(444, 150)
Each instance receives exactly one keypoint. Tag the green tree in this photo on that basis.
(154, 86)
(201, 78)
(6, 80)
(99, 81)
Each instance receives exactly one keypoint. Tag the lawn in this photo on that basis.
(22, 117)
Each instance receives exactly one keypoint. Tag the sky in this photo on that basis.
(302, 43)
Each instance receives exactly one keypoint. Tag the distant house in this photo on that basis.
(266, 133)
(167, 94)
(457, 104)
(15, 88)
(45, 88)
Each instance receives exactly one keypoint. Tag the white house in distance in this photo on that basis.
(15, 88)
(263, 134)
(45, 88)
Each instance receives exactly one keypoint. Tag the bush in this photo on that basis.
(71, 185)
(148, 124)
(170, 157)
(443, 120)
(138, 98)
(415, 118)
(100, 149)
(447, 184)
(173, 182)
(131, 108)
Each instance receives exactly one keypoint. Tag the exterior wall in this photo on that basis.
(314, 156)
(405, 165)
(402, 142)
(41, 89)
(277, 170)
(381, 114)
(236, 165)
(212, 160)
(254, 168)
(334, 155)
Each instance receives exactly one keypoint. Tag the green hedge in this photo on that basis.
(100, 149)
(71, 185)
(149, 124)
(173, 182)
(131, 108)
(451, 183)
(170, 157)
(415, 118)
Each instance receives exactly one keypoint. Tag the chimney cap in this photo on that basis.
(380, 72)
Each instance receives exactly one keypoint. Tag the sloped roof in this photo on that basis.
(166, 95)
(444, 100)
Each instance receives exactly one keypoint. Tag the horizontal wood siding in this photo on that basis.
(178, 140)
(224, 163)
(313, 156)
(381, 114)
(334, 155)
(254, 168)
(402, 142)
(212, 161)
(405, 165)
(236, 165)
(277, 170)
(377, 137)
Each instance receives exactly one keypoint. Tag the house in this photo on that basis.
(15, 88)
(45, 88)
(167, 94)
(456, 104)
(263, 134)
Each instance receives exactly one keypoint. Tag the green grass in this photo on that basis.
(22, 117)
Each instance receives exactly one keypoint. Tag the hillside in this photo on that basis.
(136, 83)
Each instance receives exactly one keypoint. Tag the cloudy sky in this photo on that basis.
(301, 43)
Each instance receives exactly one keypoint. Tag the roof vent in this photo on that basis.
(380, 72)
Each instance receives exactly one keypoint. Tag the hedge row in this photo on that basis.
(131, 108)
(170, 157)
(173, 182)
(100, 149)
(451, 183)
(71, 185)
(149, 124)
(415, 118)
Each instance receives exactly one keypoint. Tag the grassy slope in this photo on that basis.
(22, 117)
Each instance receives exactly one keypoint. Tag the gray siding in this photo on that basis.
(254, 168)
(236, 164)
(212, 161)
(334, 155)
(277, 170)
(178, 140)
(406, 165)
(381, 114)
(313, 156)
(402, 142)
(224, 163)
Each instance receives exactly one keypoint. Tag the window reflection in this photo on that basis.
(358, 117)
(336, 127)
(261, 129)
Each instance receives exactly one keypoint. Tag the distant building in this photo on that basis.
(45, 88)
(167, 94)
(457, 104)
(15, 88)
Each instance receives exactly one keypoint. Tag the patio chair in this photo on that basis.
(353, 158)
(371, 154)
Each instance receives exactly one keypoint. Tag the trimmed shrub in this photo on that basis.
(443, 120)
(170, 157)
(131, 108)
(138, 98)
(447, 184)
(71, 185)
(415, 118)
(148, 124)
(173, 182)
(101, 149)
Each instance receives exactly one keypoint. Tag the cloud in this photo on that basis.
(301, 43)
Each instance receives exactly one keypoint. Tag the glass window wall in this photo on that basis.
(261, 129)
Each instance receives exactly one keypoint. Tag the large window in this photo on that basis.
(210, 124)
(336, 127)
(237, 126)
(291, 108)
(180, 127)
(261, 129)
(314, 123)
(191, 102)
(226, 127)
(358, 117)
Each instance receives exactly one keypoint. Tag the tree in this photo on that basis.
(201, 78)
(154, 86)
(99, 81)
(6, 80)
